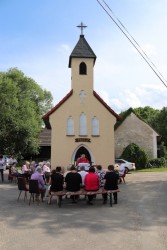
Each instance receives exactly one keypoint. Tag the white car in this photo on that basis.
(128, 165)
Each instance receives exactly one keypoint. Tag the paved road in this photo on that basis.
(137, 222)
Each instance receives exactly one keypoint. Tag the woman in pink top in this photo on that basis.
(91, 183)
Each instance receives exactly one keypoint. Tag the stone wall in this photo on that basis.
(134, 130)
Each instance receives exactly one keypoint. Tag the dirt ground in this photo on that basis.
(137, 222)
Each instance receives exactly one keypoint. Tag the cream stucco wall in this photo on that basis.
(79, 82)
(134, 130)
(63, 147)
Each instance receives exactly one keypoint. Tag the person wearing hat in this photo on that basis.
(2, 167)
(41, 183)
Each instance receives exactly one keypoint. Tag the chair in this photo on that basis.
(122, 177)
(22, 187)
(33, 189)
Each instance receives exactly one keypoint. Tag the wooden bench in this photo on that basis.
(81, 192)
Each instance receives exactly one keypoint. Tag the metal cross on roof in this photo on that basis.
(82, 26)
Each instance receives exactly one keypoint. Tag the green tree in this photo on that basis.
(134, 153)
(147, 114)
(157, 119)
(160, 124)
(22, 103)
(163, 151)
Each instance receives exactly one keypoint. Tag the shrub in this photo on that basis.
(134, 153)
(157, 162)
(163, 150)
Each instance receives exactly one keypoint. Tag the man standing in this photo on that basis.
(2, 167)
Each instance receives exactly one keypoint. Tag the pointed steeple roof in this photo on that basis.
(82, 50)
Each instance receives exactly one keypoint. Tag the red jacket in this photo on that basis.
(91, 181)
(82, 160)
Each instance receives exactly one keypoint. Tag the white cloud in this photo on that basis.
(145, 95)
(105, 96)
(131, 98)
(117, 104)
(65, 49)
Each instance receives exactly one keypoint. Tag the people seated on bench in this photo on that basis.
(14, 168)
(110, 183)
(26, 167)
(91, 183)
(41, 183)
(26, 170)
(47, 171)
(33, 166)
(56, 182)
(101, 173)
(83, 173)
(67, 171)
(73, 182)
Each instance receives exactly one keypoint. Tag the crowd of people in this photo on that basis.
(73, 180)
(90, 180)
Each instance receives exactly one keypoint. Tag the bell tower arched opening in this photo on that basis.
(82, 68)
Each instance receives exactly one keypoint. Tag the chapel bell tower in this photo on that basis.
(81, 62)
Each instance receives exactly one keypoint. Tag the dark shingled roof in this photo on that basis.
(45, 137)
(82, 50)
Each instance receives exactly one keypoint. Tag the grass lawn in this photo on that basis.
(152, 170)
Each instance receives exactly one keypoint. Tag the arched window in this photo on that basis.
(82, 69)
(82, 124)
(70, 126)
(95, 126)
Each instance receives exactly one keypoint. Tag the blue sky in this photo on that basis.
(37, 37)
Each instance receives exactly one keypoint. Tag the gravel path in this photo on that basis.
(137, 222)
